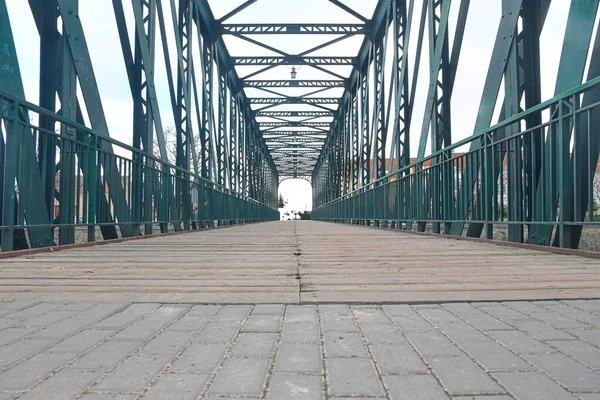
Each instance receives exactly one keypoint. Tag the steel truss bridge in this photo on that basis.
(346, 123)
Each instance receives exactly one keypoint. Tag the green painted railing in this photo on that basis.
(538, 181)
(98, 182)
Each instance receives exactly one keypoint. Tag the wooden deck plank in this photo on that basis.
(306, 261)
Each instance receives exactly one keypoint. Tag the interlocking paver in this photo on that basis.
(566, 371)
(106, 356)
(414, 387)
(580, 351)
(300, 332)
(299, 358)
(255, 345)
(29, 372)
(301, 314)
(168, 342)
(482, 351)
(66, 384)
(382, 333)
(151, 323)
(17, 351)
(531, 386)
(263, 323)
(520, 342)
(432, 344)
(353, 377)
(81, 341)
(344, 344)
(241, 376)
(398, 359)
(134, 374)
(200, 357)
(298, 387)
(461, 376)
(177, 387)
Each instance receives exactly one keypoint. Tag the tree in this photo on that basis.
(281, 202)
(171, 144)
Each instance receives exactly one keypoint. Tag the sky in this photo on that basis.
(102, 38)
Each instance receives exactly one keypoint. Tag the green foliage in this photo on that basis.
(281, 201)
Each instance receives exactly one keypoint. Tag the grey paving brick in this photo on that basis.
(581, 351)
(255, 345)
(189, 323)
(233, 314)
(134, 374)
(15, 352)
(471, 314)
(300, 387)
(11, 334)
(407, 319)
(299, 357)
(414, 387)
(218, 333)
(65, 327)
(503, 312)
(397, 359)
(8, 396)
(300, 332)
(29, 372)
(177, 387)
(500, 397)
(35, 310)
(558, 321)
(65, 385)
(200, 357)
(241, 376)
(127, 316)
(438, 315)
(271, 309)
(432, 344)
(168, 342)
(83, 305)
(344, 344)
(81, 341)
(587, 335)
(520, 342)
(589, 396)
(338, 323)
(301, 314)
(541, 331)
(352, 377)
(105, 396)
(382, 333)
(150, 325)
(369, 316)
(205, 311)
(523, 306)
(531, 386)
(106, 356)
(566, 371)
(334, 309)
(591, 306)
(575, 313)
(493, 356)
(48, 318)
(461, 376)
(263, 323)
(461, 332)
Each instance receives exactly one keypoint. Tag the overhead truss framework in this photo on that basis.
(530, 174)
(341, 120)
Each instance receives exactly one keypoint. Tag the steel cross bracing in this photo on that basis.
(530, 172)
(240, 125)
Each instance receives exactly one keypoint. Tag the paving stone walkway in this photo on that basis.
(484, 351)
